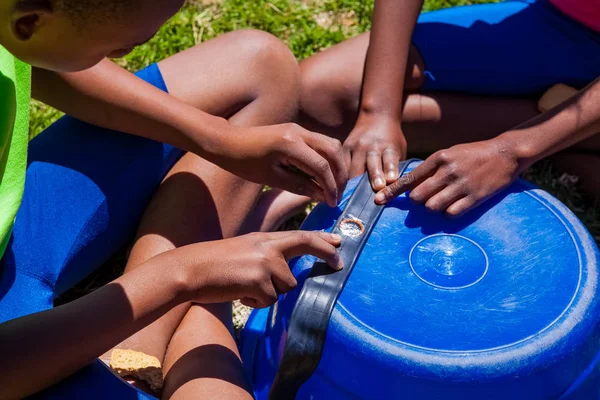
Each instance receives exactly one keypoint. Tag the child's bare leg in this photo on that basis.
(198, 365)
(273, 209)
(330, 98)
(194, 203)
(250, 78)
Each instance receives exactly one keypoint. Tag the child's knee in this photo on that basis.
(268, 58)
(270, 68)
(325, 96)
(262, 46)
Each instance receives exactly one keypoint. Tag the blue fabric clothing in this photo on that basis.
(85, 191)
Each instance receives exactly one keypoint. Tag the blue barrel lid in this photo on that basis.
(500, 302)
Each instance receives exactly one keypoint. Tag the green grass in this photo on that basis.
(306, 26)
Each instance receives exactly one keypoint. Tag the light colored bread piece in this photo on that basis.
(555, 95)
(138, 365)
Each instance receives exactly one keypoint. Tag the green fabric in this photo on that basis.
(15, 93)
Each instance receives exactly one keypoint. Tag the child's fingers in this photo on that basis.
(318, 244)
(442, 200)
(427, 189)
(285, 281)
(254, 303)
(461, 206)
(375, 170)
(348, 160)
(298, 184)
(407, 182)
(313, 164)
(358, 163)
(331, 238)
(391, 159)
(260, 295)
(334, 153)
(250, 302)
(267, 294)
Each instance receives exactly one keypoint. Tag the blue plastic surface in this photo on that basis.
(501, 303)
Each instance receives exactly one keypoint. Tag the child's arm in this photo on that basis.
(377, 140)
(108, 96)
(39, 350)
(470, 173)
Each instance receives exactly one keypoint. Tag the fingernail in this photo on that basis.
(380, 197)
(333, 200)
(378, 182)
(340, 264)
(392, 175)
(335, 236)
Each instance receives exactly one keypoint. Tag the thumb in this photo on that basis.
(406, 182)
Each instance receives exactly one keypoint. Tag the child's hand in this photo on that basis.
(288, 157)
(457, 179)
(376, 144)
(253, 267)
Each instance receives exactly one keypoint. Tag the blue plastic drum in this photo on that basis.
(499, 304)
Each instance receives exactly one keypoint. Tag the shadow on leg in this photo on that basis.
(211, 362)
(252, 79)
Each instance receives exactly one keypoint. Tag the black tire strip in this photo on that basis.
(310, 318)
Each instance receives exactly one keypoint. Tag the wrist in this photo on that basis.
(372, 108)
(208, 133)
(373, 117)
(180, 279)
(519, 147)
(218, 137)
